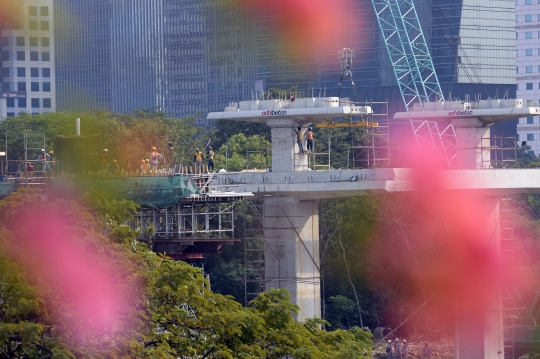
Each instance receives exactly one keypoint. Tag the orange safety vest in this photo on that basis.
(310, 135)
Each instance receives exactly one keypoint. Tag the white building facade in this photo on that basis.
(27, 62)
(528, 69)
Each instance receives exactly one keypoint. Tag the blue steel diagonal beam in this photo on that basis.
(423, 64)
(395, 40)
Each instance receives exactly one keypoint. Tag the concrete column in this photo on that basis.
(292, 251)
(469, 134)
(481, 335)
(284, 147)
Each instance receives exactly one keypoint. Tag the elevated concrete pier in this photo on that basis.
(291, 215)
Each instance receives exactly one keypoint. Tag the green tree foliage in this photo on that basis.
(174, 314)
(259, 153)
(128, 137)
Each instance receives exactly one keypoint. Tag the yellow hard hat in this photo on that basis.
(142, 161)
(51, 152)
(147, 160)
(114, 161)
(153, 148)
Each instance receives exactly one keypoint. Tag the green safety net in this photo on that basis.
(7, 188)
(153, 191)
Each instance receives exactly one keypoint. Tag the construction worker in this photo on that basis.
(397, 349)
(43, 159)
(210, 157)
(116, 166)
(427, 351)
(299, 139)
(128, 167)
(154, 160)
(198, 158)
(29, 169)
(389, 350)
(309, 138)
(147, 166)
(105, 159)
(53, 161)
(143, 166)
(405, 350)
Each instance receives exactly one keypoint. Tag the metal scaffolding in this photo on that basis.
(187, 230)
(439, 137)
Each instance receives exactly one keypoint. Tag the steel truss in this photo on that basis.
(439, 137)
(408, 51)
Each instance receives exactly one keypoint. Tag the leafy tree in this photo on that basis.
(236, 153)
(174, 314)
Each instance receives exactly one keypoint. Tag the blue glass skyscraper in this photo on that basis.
(183, 57)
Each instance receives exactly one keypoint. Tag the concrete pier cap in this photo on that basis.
(284, 116)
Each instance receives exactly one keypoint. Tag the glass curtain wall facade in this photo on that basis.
(527, 72)
(471, 42)
(183, 57)
(28, 56)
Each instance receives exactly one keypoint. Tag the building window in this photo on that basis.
(32, 11)
(45, 26)
(528, 86)
(5, 86)
(45, 56)
(20, 55)
(34, 72)
(33, 41)
(33, 24)
(517, 69)
(22, 103)
(528, 2)
(528, 52)
(20, 40)
(517, 19)
(528, 35)
(46, 103)
(5, 55)
(528, 69)
(5, 72)
(528, 18)
(530, 152)
(45, 10)
(530, 137)
(34, 56)
(46, 87)
(11, 114)
(35, 103)
(530, 120)
(46, 72)
(10, 102)
(34, 86)
(517, 137)
(21, 72)
(21, 86)
(45, 41)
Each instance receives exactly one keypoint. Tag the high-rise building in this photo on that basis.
(527, 34)
(183, 57)
(27, 66)
(472, 46)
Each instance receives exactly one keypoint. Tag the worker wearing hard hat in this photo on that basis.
(105, 159)
(154, 160)
(44, 159)
(210, 157)
(389, 350)
(404, 350)
(198, 158)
